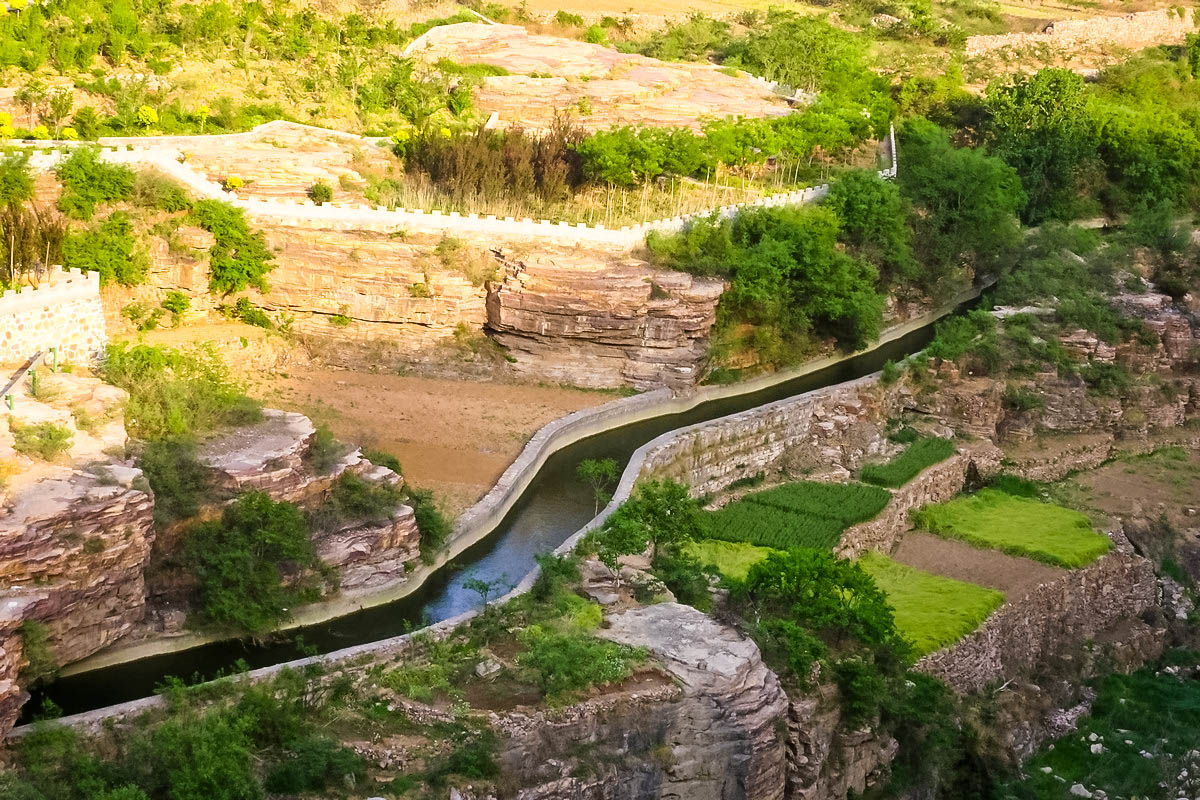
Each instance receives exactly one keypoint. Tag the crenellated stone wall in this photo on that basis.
(64, 311)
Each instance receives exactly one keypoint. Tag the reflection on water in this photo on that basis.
(553, 507)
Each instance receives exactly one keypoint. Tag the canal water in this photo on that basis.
(554, 506)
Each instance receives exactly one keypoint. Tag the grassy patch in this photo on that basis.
(732, 559)
(1018, 526)
(1149, 712)
(917, 457)
(45, 440)
(804, 514)
(931, 611)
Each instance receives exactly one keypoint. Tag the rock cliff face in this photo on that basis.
(714, 736)
(598, 323)
(75, 535)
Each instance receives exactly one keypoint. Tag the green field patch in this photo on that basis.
(1018, 526)
(931, 611)
(916, 458)
(804, 514)
(732, 559)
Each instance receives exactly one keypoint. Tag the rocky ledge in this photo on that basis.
(592, 322)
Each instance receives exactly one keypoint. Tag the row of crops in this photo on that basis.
(804, 514)
(918, 456)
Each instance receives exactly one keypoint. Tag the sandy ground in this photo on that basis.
(1010, 574)
(454, 437)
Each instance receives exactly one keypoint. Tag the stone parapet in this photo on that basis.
(64, 311)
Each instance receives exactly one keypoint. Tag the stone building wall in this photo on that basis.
(1132, 31)
(63, 312)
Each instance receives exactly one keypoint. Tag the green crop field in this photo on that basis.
(918, 456)
(1018, 526)
(733, 559)
(931, 611)
(804, 514)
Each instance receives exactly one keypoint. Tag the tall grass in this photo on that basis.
(915, 459)
(1018, 526)
(931, 611)
(176, 393)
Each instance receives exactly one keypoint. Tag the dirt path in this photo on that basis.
(1012, 575)
(455, 437)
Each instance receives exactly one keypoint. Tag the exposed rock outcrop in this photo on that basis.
(715, 736)
(596, 323)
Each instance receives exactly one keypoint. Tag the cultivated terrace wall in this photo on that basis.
(1081, 605)
(64, 311)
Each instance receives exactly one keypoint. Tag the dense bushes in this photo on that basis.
(787, 274)
(240, 257)
(109, 248)
(173, 393)
(88, 181)
(239, 562)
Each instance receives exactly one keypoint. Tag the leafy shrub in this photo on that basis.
(324, 451)
(176, 393)
(202, 757)
(827, 595)
(176, 302)
(320, 193)
(906, 435)
(152, 189)
(180, 482)
(432, 524)
(567, 663)
(861, 689)
(313, 763)
(41, 663)
(88, 182)
(109, 248)
(16, 181)
(44, 440)
(917, 457)
(240, 257)
(354, 498)
(245, 311)
(238, 560)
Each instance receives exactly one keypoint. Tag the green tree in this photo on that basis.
(110, 249)
(57, 109)
(966, 203)
(599, 475)
(1041, 126)
(874, 224)
(238, 562)
(16, 182)
(829, 595)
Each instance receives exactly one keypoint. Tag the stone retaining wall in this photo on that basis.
(63, 312)
(1079, 606)
(1132, 31)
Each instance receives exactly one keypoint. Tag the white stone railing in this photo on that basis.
(63, 312)
(359, 216)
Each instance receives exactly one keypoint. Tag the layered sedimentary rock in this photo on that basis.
(73, 549)
(714, 736)
(600, 323)
(273, 457)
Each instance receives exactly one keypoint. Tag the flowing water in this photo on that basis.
(555, 505)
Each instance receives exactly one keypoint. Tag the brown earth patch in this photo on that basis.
(454, 437)
(1165, 482)
(1012, 575)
